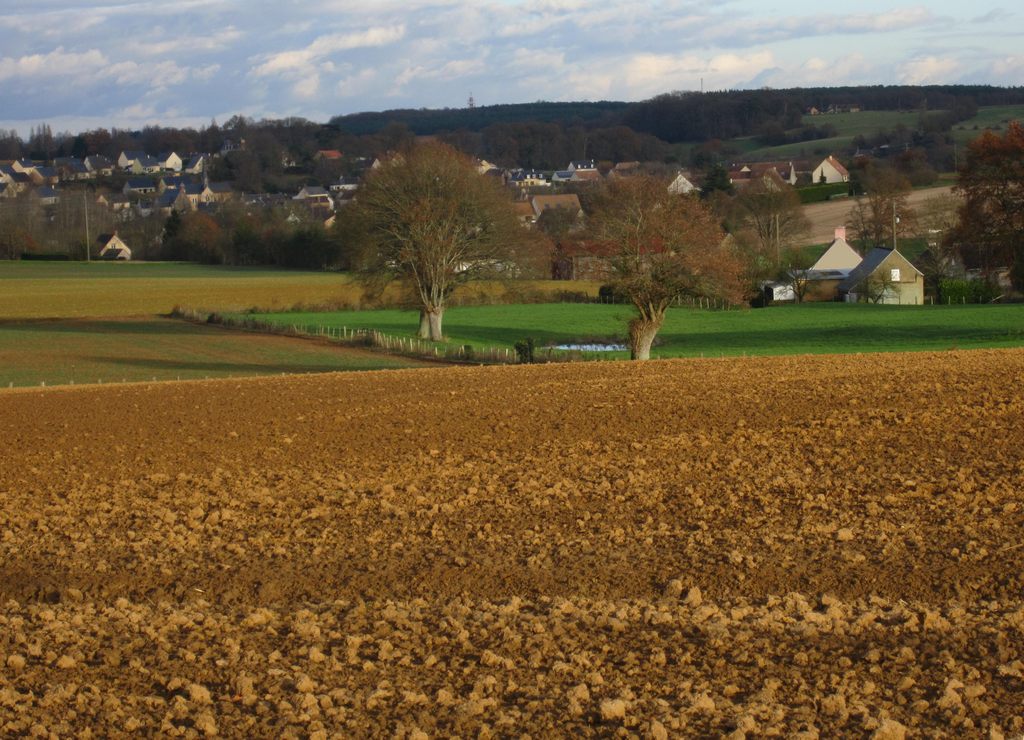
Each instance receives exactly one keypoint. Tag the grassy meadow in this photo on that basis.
(866, 123)
(30, 290)
(115, 350)
(808, 329)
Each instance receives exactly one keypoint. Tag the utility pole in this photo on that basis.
(894, 222)
(88, 241)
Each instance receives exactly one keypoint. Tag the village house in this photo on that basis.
(47, 196)
(583, 165)
(830, 171)
(884, 276)
(99, 165)
(569, 202)
(331, 155)
(744, 173)
(523, 179)
(170, 162)
(44, 176)
(196, 164)
(345, 185)
(112, 248)
(139, 186)
(316, 199)
(127, 159)
(682, 184)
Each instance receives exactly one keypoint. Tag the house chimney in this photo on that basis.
(841, 233)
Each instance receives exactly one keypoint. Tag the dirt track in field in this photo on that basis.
(818, 545)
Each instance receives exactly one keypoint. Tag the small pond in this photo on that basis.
(592, 347)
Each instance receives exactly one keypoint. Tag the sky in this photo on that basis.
(77, 64)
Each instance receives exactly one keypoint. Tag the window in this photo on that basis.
(894, 274)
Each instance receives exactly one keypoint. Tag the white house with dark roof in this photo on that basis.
(128, 158)
(139, 186)
(582, 164)
(170, 162)
(884, 276)
(111, 247)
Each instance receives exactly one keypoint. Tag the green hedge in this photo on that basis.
(967, 291)
(821, 193)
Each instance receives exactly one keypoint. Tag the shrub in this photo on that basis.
(525, 350)
(967, 291)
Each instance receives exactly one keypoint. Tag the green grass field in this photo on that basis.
(866, 123)
(812, 328)
(91, 351)
(103, 289)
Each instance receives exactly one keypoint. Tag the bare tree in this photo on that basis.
(771, 209)
(661, 247)
(427, 218)
(884, 214)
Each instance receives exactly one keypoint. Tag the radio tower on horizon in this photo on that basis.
(471, 103)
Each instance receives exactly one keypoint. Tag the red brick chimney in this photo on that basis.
(841, 233)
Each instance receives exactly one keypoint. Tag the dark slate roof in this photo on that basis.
(194, 188)
(868, 265)
(46, 171)
(219, 187)
(133, 154)
(47, 192)
(140, 183)
(167, 198)
(98, 162)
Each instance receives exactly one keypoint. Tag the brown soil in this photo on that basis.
(776, 546)
(825, 217)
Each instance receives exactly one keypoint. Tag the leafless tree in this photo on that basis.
(427, 218)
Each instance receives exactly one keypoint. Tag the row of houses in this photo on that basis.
(829, 171)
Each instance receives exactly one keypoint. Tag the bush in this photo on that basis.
(468, 352)
(608, 294)
(525, 350)
(967, 291)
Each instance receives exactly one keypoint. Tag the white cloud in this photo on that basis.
(289, 62)
(57, 63)
(929, 70)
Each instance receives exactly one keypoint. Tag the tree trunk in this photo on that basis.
(642, 331)
(424, 332)
(435, 314)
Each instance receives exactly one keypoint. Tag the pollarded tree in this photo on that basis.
(992, 216)
(661, 247)
(429, 219)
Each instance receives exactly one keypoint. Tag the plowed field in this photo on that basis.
(791, 546)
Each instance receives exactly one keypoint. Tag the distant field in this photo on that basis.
(780, 330)
(91, 351)
(79, 289)
(866, 123)
(996, 117)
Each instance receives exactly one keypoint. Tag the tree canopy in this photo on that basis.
(992, 215)
(427, 218)
(661, 247)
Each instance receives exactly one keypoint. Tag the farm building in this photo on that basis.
(112, 248)
(884, 276)
(830, 171)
